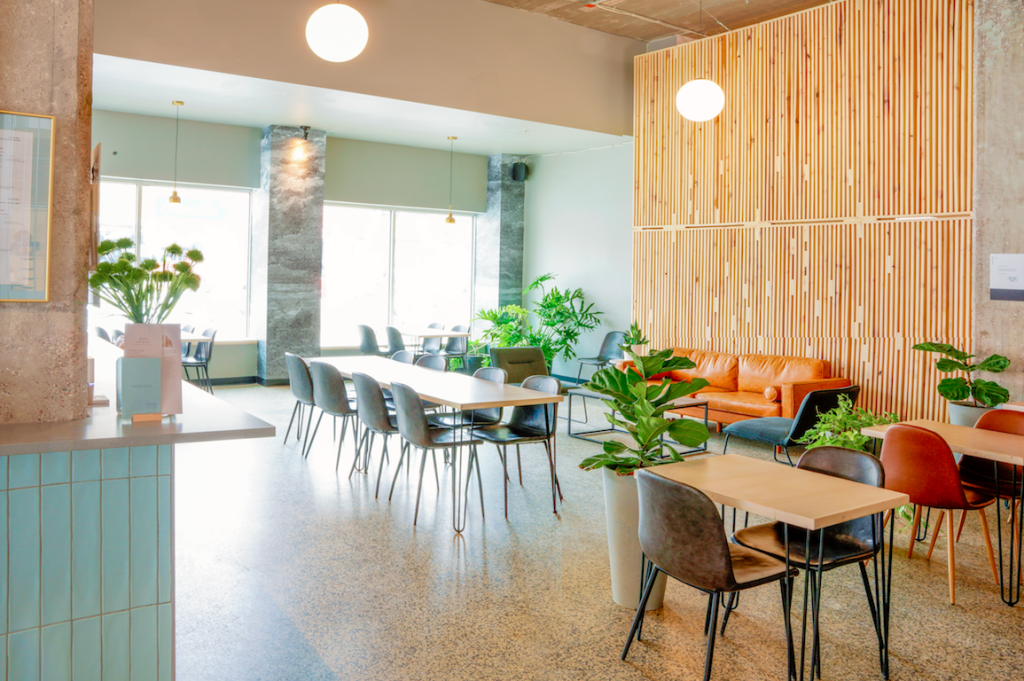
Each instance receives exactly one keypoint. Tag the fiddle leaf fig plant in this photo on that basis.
(147, 291)
(641, 408)
(966, 387)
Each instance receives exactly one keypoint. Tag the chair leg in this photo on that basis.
(474, 458)
(519, 466)
(437, 478)
(551, 465)
(960, 527)
(913, 532)
(316, 429)
(725, 445)
(938, 526)
(640, 611)
(951, 551)
(309, 422)
(785, 585)
(988, 541)
(344, 429)
(406, 452)
(504, 468)
(712, 630)
(730, 605)
(292, 420)
(366, 442)
(419, 487)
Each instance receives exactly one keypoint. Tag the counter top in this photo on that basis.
(205, 418)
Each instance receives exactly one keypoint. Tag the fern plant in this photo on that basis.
(840, 427)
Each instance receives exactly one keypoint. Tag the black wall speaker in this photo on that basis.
(519, 172)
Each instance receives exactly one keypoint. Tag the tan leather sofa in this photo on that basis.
(738, 384)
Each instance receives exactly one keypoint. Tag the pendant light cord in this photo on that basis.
(177, 114)
(451, 156)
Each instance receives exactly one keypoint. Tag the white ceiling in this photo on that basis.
(139, 87)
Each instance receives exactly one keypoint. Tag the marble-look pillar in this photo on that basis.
(287, 249)
(499, 237)
(46, 68)
(998, 178)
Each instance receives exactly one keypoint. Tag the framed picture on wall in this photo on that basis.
(26, 193)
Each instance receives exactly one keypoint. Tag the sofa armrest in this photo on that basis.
(793, 394)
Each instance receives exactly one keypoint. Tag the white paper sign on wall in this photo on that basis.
(1007, 276)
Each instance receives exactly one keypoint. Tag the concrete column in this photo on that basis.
(46, 68)
(287, 249)
(998, 178)
(499, 237)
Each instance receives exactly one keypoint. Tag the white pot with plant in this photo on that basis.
(968, 397)
(636, 340)
(641, 411)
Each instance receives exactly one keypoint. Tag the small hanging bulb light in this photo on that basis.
(701, 99)
(174, 194)
(451, 153)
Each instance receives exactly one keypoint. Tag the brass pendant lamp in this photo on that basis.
(451, 153)
(174, 194)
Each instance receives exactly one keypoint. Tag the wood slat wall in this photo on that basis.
(837, 119)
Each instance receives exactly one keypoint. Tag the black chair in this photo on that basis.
(520, 363)
(610, 351)
(457, 347)
(368, 341)
(186, 348)
(331, 396)
(395, 342)
(373, 414)
(416, 431)
(473, 417)
(853, 541)
(301, 384)
(102, 333)
(681, 534)
(432, 346)
(200, 361)
(528, 424)
(404, 356)
(783, 433)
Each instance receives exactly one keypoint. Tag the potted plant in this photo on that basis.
(636, 339)
(840, 427)
(968, 397)
(146, 292)
(641, 408)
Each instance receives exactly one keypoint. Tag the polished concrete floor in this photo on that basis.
(289, 571)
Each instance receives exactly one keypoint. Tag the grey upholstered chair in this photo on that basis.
(404, 356)
(200, 361)
(373, 414)
(368, 341)
(395, 342)
(432, 346)
(331, 396)
(520, 363)
(457, 347)
(301, 385)
(473, 417)
(610, 351)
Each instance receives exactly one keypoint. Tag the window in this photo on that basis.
(397, 268)
(214, 220)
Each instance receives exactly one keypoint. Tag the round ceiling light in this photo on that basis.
(700, 100)
(337, 32)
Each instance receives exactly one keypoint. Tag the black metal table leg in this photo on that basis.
(1009, 579)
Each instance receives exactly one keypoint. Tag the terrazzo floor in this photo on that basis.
(289, 571)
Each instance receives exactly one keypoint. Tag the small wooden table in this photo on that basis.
(804, 499)
(455, 390)
(996, 447)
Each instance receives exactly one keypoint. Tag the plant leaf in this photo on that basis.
(989, 393)
(995, 364)
(954, 389)
(947, 365)
(944, 348)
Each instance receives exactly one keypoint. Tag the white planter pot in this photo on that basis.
(641, 350)
(964, 414)
(622, 510)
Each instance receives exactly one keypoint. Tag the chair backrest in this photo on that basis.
(329, 391)
(1003, 421)
(849, 464)
(368, 341)
(404, 356)
(115, 334)
(457, 345)
(520, 363)
(186, 348)
(433, 345)
(299, 380)
(412, 420)
(370, 405)
(531, 418)
(919, 463)
(395, 342)
(494, 375)
(432, 362)
(681, 532)
(102, 333)
(204, 351)
(818, 402)
(610, 349)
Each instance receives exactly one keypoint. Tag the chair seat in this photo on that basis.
(461, 419)
(502, 433)
(351, 407)
(986, 485)
(446, 437)
(192, 361)
(753, 568)
(596, 361)
(772, 429)
(769, 539)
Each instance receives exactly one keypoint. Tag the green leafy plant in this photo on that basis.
(840, 427)
(641, 408)
(962, 388)
(145, 292)
(562, 315)
(635, 336)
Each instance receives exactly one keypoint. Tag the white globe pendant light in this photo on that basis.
(337, 32)
(700, 100)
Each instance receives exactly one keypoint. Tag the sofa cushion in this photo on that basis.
(757, 372)
(749, 404)
(717, 368)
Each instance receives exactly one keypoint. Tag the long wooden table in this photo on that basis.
(996, 447)
(451, 389)
(800, 498)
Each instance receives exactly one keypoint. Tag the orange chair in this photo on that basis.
(919, 463)
(979, 475)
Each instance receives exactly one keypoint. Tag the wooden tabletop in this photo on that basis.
(449, 388)
(436, 333)
(193, 337)
(984, 444)
(1012, 406)
(802, 498)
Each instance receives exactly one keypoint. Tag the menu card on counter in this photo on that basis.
(161, 342)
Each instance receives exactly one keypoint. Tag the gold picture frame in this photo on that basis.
(26, 206)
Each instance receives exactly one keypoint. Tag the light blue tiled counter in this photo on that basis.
(86, 541)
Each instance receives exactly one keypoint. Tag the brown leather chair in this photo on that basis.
(979, 474)
(681, 534)
(919, 463)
